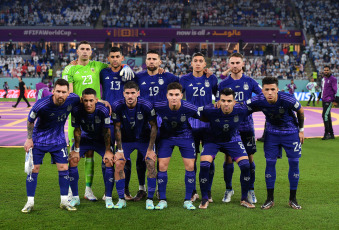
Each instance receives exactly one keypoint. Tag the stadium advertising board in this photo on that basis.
(152, 35)
(15, 93)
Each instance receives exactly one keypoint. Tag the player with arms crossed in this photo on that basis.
(136, 129)
(199, 90)
(224, 136)
(47, 135)
(175, 130)
(243, 86)
(283, 130)
(86, 74)
(91, 122)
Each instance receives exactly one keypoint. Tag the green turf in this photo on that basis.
(15, 99)
(317, 194)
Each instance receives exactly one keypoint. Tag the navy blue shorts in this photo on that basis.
(58, 153)
(199, 135)
(186, 147)
(129, 147)
(248, 138)
(274, 143)
(235, 149)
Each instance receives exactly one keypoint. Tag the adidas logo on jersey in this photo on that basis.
(52, 114)
(77, 72)
(107, 78)
(217, 120)
(191, 84)
(144, 83)
(165, 118)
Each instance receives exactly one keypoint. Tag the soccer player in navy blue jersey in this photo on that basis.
(243, 86)
(47, 135)
(199, 90)
(91, 122)
(136, 129)
(153, 87)
(175, 130)
(224, 136)
(283, 130)
(112, 90)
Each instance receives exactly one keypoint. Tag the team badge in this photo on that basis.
(207, 83)
(236, 119)
(246, 86)
(69, 108)
(140, 116)
(281, 110)
(97, 120)
(161, 81)
(93, 70)
(183, 118)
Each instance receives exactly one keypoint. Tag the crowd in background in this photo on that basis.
(49, 13)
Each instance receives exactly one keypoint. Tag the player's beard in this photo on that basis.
(152, 69)
(60, 101)
(236, 70)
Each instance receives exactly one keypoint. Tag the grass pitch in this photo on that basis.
(317, 194)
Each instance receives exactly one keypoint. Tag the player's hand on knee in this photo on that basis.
(28, 144)
(127, 72)
(119, 156)
(74, 157)
(108, 158)
(151, 155)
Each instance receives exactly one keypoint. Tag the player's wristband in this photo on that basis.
(301, 129)
(120, 151)
(76, 150)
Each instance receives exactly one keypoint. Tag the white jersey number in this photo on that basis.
(200, 93)
(115, 85)
(153, 91)
(87, 80)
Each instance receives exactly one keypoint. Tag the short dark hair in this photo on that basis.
(326, 66)
(174, 85)
(153, 52)
(239, 55)
(198, 54)
(131, 85)
(115, 49)
(89, 91)
(61, 82)
(227, 92)
(270, 80)
(83, 43)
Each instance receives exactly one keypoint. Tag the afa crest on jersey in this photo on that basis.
(281, 110)
(246, 87)
(69, 108)
(183, 118)
(140, 116)
(207, 83)
(236, 119)
(161, 81)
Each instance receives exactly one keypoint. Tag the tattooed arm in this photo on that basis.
(29, 140)
(119, 155)
(108, 157)
(151, 157)
(301, 117)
